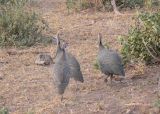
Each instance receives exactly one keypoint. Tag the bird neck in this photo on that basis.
(101, 46)
(100, 43)
(63, 54)
(58, 50)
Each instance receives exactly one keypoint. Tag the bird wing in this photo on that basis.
(75, 70)
(111, 62)
(109, 57)
(72, 61)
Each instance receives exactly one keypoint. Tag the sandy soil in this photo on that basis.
(26, 87)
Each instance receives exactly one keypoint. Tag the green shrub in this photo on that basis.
(123, 4)
(155, 2)
(4, 111)
(157, 103)
(19, 27)
(5, 1)
(130, 3)
(96, 65)
(77, 4)
(143, 40)
(30, 112)
(83, 4)
(13, 2)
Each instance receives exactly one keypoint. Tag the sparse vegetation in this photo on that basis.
(27, 88)
(157, 103)
(143, 40)
(4, 110)
(130, 3)
(78, 4)
(96, 65)
(30, 112)
(19, 27)
(13, 2)
(98, 4)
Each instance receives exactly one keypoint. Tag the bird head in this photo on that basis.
(100, 41)
(100, 38)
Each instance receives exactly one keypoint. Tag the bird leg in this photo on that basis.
(106, 79)
(61, 98)
(77, 86)
(111, 77)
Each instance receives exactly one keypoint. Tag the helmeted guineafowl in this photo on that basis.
(110, 62)
(75, 70)
(61, 70)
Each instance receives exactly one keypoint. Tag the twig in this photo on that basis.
(153, 50)
(156, 58)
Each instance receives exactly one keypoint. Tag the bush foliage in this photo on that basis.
(143, 40)
(130, 3)
(106, 4)
(13, 2)
(18, 26)
(4, 111)
(83, 4)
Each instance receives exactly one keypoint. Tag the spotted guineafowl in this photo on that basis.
(110, 62)
(61, 70)
(75, 70)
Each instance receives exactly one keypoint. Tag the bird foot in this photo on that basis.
(105, 80)
(62, 98)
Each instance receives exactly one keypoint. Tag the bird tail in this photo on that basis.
(79, 77)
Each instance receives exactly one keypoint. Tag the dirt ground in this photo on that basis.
(26, 87)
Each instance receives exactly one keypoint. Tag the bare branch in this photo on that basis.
(145, 44)
(113, 2)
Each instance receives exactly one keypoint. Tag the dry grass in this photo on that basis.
(26, 87)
